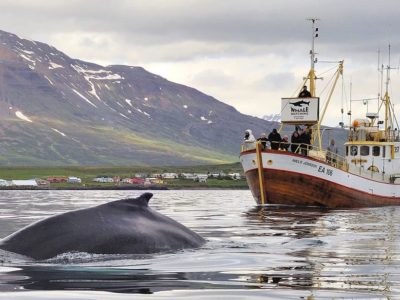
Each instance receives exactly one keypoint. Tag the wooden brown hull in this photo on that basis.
(291, 188)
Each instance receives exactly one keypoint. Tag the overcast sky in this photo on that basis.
(246, 53)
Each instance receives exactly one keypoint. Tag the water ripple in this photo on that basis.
(270, 253)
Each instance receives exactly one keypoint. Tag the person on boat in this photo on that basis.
(304, 93)
(264, 141)
(295, 141)
(284, 145)
(305, 141)
(274, 138)
(331, 152)
(248, 136)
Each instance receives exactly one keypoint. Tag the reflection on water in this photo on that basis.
(268, 253)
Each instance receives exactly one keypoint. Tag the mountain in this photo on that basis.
(56, 110)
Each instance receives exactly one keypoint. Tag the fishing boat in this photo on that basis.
(367, 174)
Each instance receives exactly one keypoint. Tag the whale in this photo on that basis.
(127, 226)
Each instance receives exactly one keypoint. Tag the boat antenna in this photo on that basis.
(386, 98)
(351, 91)
(380, 76)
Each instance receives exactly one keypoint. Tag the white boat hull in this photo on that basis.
(294, 179)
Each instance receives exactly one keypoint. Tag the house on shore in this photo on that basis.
(24, 183)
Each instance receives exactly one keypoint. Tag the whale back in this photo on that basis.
(127, 226)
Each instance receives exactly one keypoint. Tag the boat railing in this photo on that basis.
(375, 136)
(332, 158)
(247, 145)
(329, 157)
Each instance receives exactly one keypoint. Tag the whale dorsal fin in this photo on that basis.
(145, 197)
(142, 200)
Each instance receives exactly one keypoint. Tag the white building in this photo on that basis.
(103, 179)
(29, 182)
(4, 182)
(201, 177)
(169, 176)
(74, 180)
(188, 176)
(234, 176)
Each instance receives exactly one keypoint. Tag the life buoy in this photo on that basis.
(373, 169)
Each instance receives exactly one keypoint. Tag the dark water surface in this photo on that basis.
(251, 253)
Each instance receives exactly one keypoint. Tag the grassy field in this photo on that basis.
(88, 173)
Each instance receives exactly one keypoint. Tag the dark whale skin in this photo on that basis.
(127, 226)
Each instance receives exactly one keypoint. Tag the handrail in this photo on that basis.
(314, 152)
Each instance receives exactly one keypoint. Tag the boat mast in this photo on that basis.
(311, 74)
(386, 98)
(386, 101)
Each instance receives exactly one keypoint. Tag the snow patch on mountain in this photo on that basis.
(53, 65)
(143, 112)
(88, 77)
(205, 119)
(84, 98)
(27, 52)
(48, 80)
(272, 118)
(21, 116)
(124, 116)
(27, 58)
(97, 74)
(129, 102)
(59, 132)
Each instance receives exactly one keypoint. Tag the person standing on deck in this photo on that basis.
(284, 145)
(305, 141)
(264, 141)
(331, 152)
(274, 138)
(295, 140)
(248, 136)
(304, 93)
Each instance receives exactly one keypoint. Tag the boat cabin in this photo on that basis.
(369, 149)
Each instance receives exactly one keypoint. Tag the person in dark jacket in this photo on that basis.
(274, 138)
(304, 93)
(305, 141)
(295, 140)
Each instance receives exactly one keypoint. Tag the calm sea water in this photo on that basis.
(251, 253)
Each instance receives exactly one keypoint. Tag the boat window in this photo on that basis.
(383, 151)
(354, 150)
(347, 150)
(376, 150)
(364, 150)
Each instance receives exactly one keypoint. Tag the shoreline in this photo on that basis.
(133, 188)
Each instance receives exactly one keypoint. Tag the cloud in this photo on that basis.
(246, 53)
(278, 81)
(213, 77)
